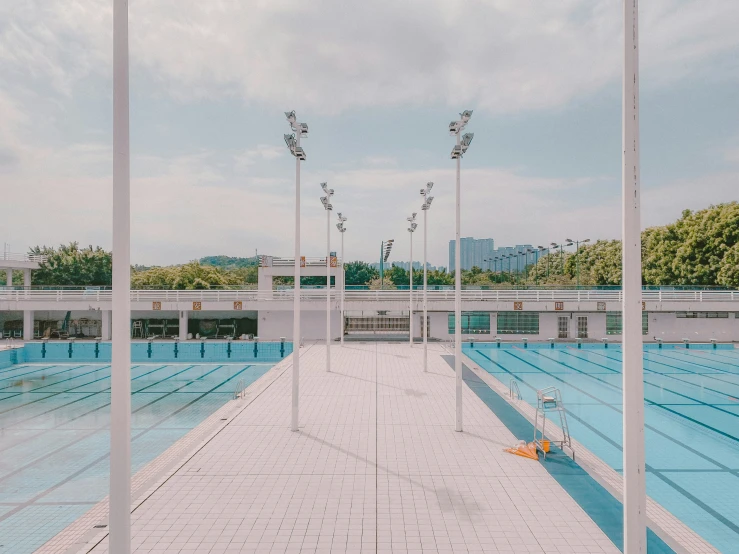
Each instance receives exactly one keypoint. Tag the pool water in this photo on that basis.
(691, 419)
(54, 432)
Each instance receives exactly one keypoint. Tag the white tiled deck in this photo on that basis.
(376, 467)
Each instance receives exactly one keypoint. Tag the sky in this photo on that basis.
(378, 83)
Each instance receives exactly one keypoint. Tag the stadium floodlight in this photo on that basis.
(424, 328)
(385, 247)
(411, 229)
(463, 143)
(293, 144)
(342, 230)
(577, 258)
(326, 201)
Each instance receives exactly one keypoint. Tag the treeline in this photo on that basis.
(699, 249)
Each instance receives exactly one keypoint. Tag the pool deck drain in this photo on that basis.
(375, 467)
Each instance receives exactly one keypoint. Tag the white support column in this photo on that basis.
(105, 325)
(295, 412)
(120, 406)
(635, 530)
(458, 303)
(343, 288)
(410, 296)
(183, 324)
(27, 325)
(9, 277)
(27, 278)
(424, 328)
(328, 289)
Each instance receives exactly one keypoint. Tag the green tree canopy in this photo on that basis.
(71, 265)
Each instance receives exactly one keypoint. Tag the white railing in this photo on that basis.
(369, 295)
(290, 262)
(15, 257)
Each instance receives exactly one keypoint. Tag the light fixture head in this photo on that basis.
(329, 192)
(466, 115)
(584, 241)
(290, 141)
(554, 244)
(342, 219)
(290, 117)
(541, 248)
(569, 240)
(466, 141)
(326, 204)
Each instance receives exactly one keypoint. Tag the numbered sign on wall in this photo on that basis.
(197, 306)
(518, 305)
(559, 306)
(156, 306)
(237, 305)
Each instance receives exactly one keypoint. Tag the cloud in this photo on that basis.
(330, 56)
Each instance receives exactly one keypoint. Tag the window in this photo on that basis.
(582, 327)
(615, 325)
(702, 315)
(518, 323)
(473, 323)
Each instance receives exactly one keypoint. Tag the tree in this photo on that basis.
(728, 275)
(71, 265)
(189, 276)
(360, 273)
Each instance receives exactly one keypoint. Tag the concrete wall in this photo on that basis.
(273, 325)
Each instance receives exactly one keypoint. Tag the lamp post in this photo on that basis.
(635, 508)
(577, 258)
(293, 144)
(385, 247)
(120, 406)
(425, 208)
(536, 264)
(412, 227)
(463, 143)
(342, 230)
(326, 201)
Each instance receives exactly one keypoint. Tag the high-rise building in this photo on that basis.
(482, 253)
(473, 252)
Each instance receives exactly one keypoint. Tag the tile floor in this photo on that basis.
(376, 467)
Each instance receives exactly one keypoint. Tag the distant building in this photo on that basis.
(473, 252)
(482, 253)
(417, 266)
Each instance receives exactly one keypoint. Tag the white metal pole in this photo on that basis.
(120, 382)
(296, 299)
(328, 287)
(635, 534)
(410, 297)
(343, 287)
(425, 306)
(458, 302)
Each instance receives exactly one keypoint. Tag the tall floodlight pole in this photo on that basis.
(293, 144)
(342, 230)
(120, 385)
(385, 249)
(577, 258)
(463, 143)
(428, 199)
(635, 534)
(412, 227)
(326, 201)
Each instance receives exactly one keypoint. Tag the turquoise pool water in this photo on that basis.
(691, 416)
(54, 424)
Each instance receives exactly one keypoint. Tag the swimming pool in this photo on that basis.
(691, 419)
(54, 431)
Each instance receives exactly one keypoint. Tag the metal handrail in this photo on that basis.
(16, 257)
(11, 293)
(513, 391)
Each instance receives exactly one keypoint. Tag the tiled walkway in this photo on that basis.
(376, 467)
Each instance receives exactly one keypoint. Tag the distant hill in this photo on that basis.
(228, 262)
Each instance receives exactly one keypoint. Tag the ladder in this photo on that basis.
(550, 400)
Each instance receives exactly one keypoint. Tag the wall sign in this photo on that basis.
(334, 261)
(302, 261)
(156, 305)
(237, 305)
(601, 306)
(559, 306)
(518, 305)
(197, 306)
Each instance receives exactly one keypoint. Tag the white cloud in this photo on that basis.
(329, 56)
